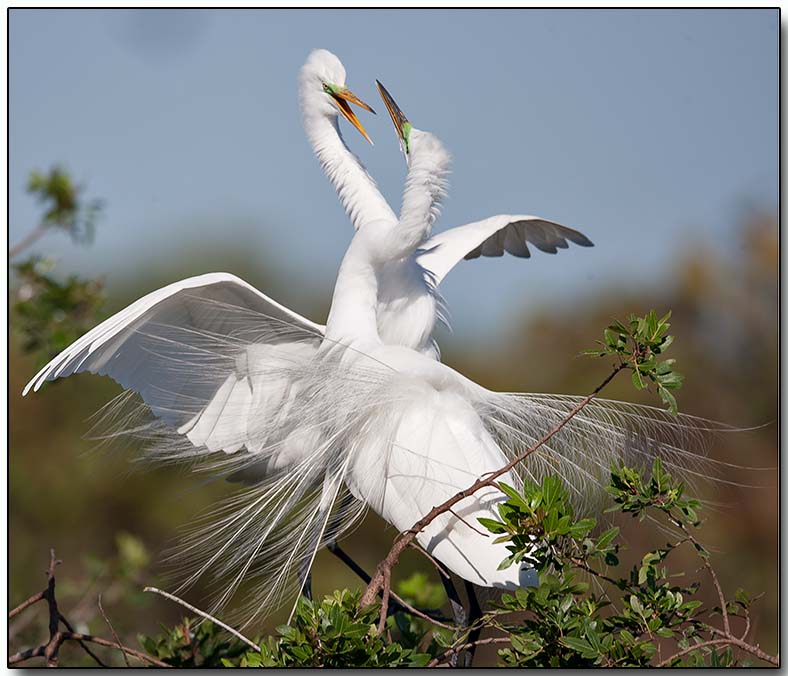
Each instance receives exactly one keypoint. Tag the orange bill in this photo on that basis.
(343, 98)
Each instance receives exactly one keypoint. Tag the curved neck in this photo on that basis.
(357, 191)
(425, 188)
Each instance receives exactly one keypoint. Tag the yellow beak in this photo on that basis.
(343, 98)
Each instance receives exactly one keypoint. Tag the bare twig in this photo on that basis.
(476, 530)
(35, 598)
(83, 645)
(62, 637)
(384, 604)
(202, 613)
(28, 240)
(457, 649)
(112, 629)
(423, 551)
(57, 638)
(724, 640)
(384, 567)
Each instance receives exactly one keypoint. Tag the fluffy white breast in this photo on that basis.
(408, 306)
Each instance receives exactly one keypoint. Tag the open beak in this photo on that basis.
(397, 116)
(343, 98)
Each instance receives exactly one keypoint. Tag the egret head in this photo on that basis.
(323, 90)
(401, 124)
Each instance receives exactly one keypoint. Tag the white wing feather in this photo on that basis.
(492, 237)
(197, 352)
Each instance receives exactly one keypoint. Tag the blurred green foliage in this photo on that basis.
(64, 207)
(49, 314)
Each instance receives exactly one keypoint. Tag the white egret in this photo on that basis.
(306, 412)
(409, 304)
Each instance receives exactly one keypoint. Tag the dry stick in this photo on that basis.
(423, 551)
(726, 640)
(55, 617)
(84, 646)
(202, 613)
(384, 604)
(407, 537)
(465, 646)
(28, 240)
(726, 636)
(112, 629)
(486, 535)
(35, 598)
(57, 638)
(64, 636)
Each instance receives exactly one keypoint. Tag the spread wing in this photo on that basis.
(195, 351)
(492, 237)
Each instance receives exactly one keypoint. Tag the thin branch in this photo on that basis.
(725, 640)
(710, 569)
(747, 623)
(746, 647)
(407, 537)
(83, 645)
(384, 604)
(57, 638)
(112, 629)
(64, 636)
(202, 613)
(486, 535)
(430, 615)
(457, 649)
(28, 240)
(423, 551)
(35, 598)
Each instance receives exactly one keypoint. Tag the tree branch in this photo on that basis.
(202, 613)
(64, 636)
(112, 629)
(457, 649)
(57, 638)
(725, 640)
(28, 240)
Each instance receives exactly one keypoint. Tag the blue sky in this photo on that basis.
(647, 130)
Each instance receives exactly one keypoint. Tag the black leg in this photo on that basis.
(343, 556)
(457, 611)
(474, 615)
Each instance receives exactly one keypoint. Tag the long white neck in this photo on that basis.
(357, 191)
(425, 187)
(353, 315)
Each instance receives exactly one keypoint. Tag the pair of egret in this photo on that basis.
(317, 423)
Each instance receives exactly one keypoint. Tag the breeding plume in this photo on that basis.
(318, 423)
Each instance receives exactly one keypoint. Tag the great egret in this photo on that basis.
(321, 410)
(409, 304)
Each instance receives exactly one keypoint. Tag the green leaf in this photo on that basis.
(578, 644)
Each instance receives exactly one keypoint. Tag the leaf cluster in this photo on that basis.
(638, 343)
(64, 207)
(583, 613)
(193, 643)
(335, 632)
(49, 314)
